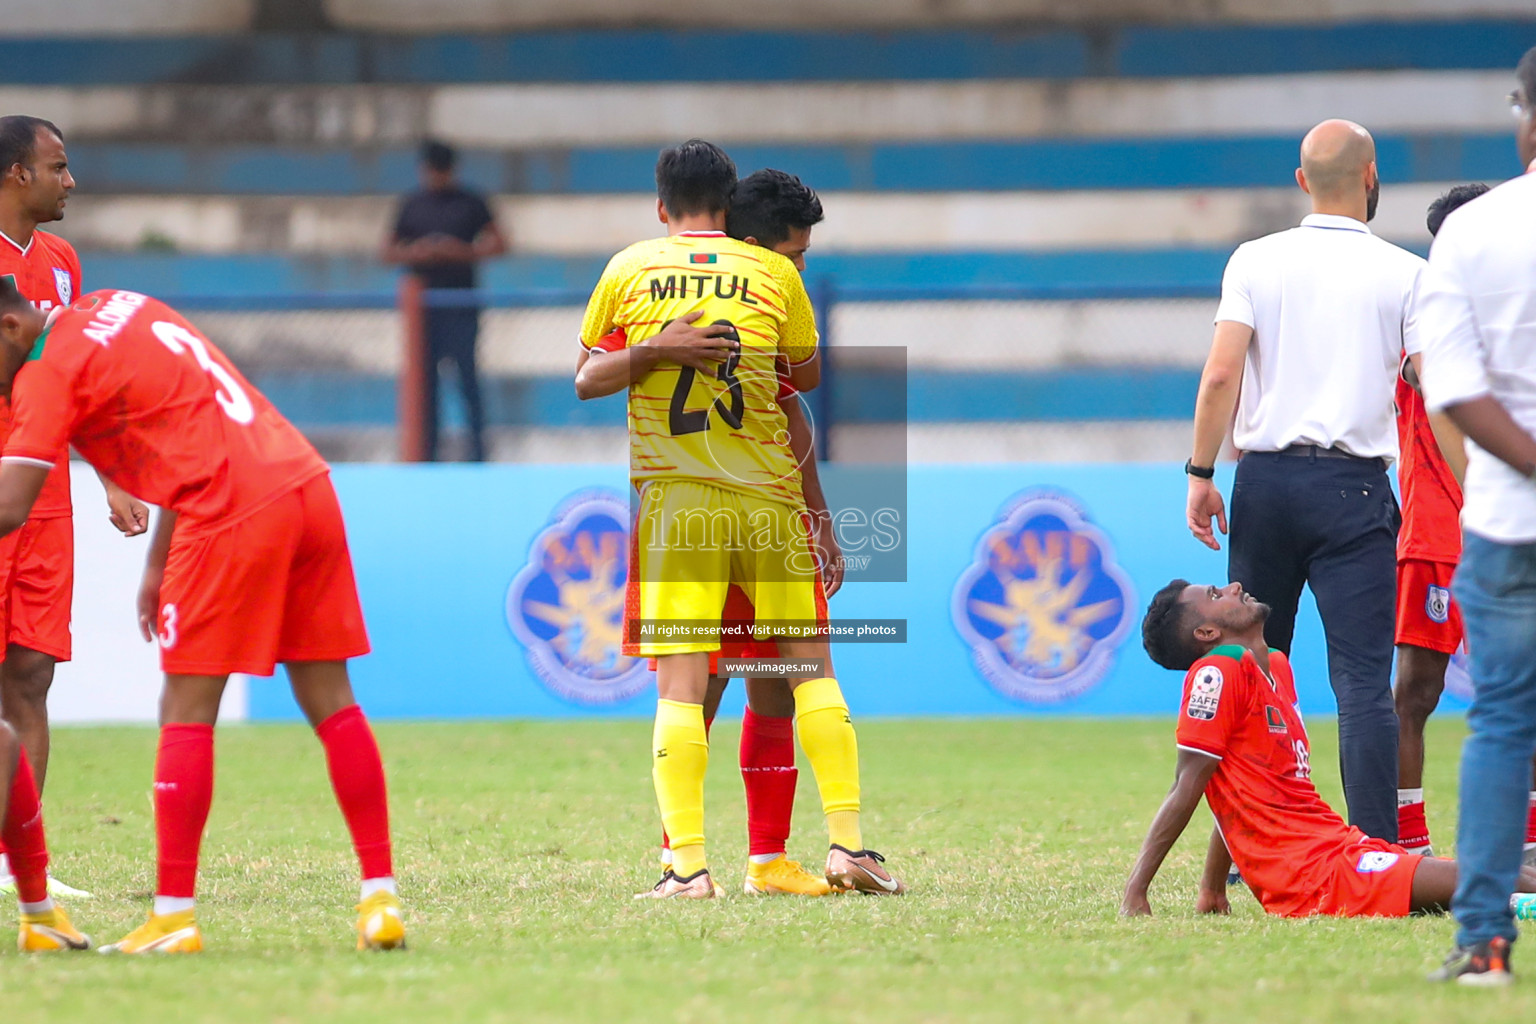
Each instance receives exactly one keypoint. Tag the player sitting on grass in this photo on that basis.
(1243, 747)
(776, 211)
(249, 564)
(44, 926)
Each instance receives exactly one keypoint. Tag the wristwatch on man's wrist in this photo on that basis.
(1202, 472)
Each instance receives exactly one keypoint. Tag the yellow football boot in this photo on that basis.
(379, 925)
(783, 877)
(162, 933)
(49, 932)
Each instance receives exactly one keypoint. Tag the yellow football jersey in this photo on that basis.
(727, 429)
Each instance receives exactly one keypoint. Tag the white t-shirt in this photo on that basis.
(1477, 316)
(1330, 305)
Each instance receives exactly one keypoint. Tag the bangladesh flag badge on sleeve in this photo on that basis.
(702, 257)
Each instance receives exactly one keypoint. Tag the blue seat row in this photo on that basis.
(1042, 164)
(658, 56)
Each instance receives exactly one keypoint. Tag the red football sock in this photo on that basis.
(22, 832)
(1412, 826)
(666, 842)
(183, 794)
(1530, 821)
(769, 773)
(357, 776)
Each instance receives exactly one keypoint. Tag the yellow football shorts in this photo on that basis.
(691, 541)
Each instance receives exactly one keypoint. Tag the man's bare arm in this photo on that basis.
(1215, 405)
(124, 511)
(1191, 774)
(1448, 438)
(154, 574)
(1212, 898)
(802, 442)
(20, 484)
(1490, 425)
(600, 373)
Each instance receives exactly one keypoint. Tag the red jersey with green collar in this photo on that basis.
(1282, 836)
(47, 274)
(156, 407)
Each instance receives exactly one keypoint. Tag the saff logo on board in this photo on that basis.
(1044, 605)
(566, 605)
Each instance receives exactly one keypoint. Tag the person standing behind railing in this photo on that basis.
(441, 232)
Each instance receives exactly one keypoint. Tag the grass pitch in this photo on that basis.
(519, 845)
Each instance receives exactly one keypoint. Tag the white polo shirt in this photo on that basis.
(1477, 318)
(1329, 304)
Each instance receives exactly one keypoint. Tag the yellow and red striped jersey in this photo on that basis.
(727, 430)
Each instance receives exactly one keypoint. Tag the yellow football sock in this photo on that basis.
(827, 737)
(679, 757)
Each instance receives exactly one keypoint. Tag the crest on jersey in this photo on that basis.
(1437, 603)
(1204, 693)
(566, 605)
(1043, 604)
(64, 285)
(1375, 861)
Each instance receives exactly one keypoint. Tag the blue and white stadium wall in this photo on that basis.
(1115, 159)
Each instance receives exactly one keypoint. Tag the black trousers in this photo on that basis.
(1331, 524)
(451, 335)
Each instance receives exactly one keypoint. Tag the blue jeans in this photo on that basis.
(1496, 588)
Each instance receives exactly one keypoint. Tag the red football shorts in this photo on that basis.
(1371, 878)
(277, 586)
(736, 619)
(1426, 614)
(38, 567)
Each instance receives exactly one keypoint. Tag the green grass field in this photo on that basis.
(518, 846)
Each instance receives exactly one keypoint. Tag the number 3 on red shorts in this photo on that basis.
(168, 627)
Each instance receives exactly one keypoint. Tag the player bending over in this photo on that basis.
(776, 211)
(708, 448)
(1243, 746)
(44, 928)
(248, 567)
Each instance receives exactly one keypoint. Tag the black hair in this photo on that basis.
(1525, 74)
(696, 177)
(18, 139)
(1444, 206)
(1165, 630)
(439, 156)
(767, 204)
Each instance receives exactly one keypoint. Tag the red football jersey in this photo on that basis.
(47, 274)
(156, 407)
(1282, 836)
(1431, 529)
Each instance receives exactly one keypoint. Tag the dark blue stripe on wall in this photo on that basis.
(330, 400)
(899, 167)
(930, 276)
(636, 56)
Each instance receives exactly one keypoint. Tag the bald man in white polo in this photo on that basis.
(1308, 341)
